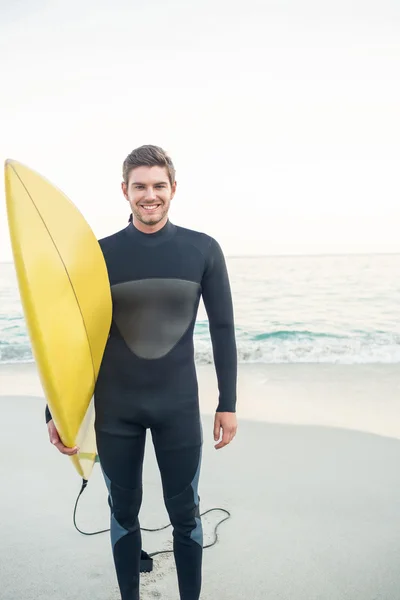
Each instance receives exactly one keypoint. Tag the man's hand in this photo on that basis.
(55, 440)
(227, 422)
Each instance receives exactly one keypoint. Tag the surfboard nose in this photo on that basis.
(10, 175)
(12, 163)
(10, 168)
(9, 162)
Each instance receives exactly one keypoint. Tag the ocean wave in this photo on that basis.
(289, 334)
(307, 347)
(278, 346)
(15, 353)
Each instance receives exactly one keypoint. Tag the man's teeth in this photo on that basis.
(150, 206)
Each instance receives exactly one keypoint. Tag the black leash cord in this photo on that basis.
(84, 484)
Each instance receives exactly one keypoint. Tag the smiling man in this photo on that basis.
(149, 193)
(158, 272)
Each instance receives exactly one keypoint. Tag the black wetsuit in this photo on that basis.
(148, 380)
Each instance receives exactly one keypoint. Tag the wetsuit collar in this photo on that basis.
(160, 236)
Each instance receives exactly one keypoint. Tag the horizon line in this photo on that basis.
(306, 255)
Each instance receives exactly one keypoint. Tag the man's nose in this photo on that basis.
(150, 193)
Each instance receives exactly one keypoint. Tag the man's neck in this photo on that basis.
(149, 228)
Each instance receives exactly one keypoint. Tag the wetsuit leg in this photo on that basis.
(177, 443)
(121, 455)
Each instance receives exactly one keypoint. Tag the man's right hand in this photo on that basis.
(55, 440)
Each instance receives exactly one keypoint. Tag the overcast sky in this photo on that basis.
(282, 117)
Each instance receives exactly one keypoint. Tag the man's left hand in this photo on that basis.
(227, 422)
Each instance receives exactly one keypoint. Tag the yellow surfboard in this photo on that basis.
(66, 298)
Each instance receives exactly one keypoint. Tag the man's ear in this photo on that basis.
(174, 189)
(124, 190)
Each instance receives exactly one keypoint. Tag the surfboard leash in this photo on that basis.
(146, 560)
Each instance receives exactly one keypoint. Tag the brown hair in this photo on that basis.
(148, 156)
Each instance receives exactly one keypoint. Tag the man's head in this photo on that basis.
(149, 185)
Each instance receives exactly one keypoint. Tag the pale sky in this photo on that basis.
(282, 117)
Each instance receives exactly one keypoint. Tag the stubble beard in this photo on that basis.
(151, 219)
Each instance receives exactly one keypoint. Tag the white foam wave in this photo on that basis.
(323, 350)
(371, 348)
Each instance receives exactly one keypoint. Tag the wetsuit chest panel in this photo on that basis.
(153, 314)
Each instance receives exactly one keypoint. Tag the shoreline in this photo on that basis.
(362, 397)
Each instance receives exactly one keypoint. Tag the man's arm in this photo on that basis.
(217, 299)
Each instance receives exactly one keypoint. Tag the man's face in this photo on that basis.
(149, 193)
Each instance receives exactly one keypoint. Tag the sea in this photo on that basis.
(288, 309)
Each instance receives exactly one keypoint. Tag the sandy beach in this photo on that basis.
(312, 482)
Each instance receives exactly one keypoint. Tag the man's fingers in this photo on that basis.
(56, 441)
(226, 438)
(64, 450)
(53, 435)
(217, 430)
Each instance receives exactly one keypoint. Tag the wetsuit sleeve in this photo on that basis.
(48, 416)
(217, 299)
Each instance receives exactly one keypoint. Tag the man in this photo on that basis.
(158, 272)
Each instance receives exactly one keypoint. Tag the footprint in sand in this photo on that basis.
(152, 583)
